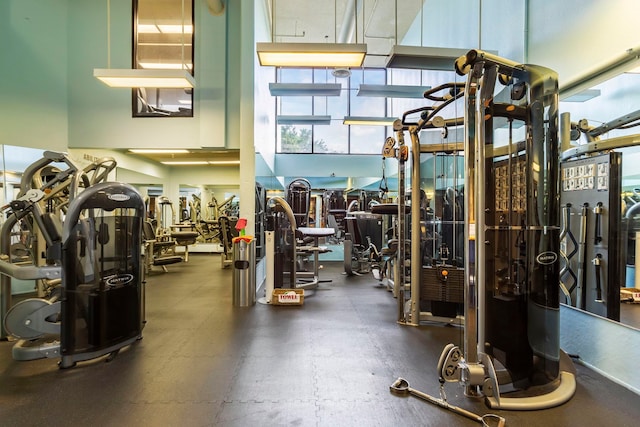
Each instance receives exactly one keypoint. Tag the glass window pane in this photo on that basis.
(367, 106)
(367, 139)
(334, 106)
(375, 76)
(296, 105)
(294, 139)
(331, 139)
(295, 75)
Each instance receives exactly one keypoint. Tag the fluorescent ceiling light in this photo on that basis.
(164, 29)
(583, 96)
(185, 162)
(311, 54)
(303, 120)
(224, 162)
(200, 162)
(165, 65)
(393, 91)
(305, 89)
(368, 121)
(424, 58)
(157, 151)
(144, 78)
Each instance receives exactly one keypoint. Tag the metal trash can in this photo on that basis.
(244, 271)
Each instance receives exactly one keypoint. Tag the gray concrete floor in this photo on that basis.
(203, 362)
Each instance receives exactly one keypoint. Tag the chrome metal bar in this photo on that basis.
(416, 258)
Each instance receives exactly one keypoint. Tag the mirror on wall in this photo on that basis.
(600, 199)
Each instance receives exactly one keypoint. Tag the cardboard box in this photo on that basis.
(630, 295)
(287, 297)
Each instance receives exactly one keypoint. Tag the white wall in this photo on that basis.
(34, 83)
(100, 116)
(572, 36)
(496, 25)
(265, 111)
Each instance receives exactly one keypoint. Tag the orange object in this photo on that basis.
(246, 239)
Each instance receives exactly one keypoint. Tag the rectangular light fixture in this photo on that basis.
(200, 162)
(224, 162)
(185, 162)
(369, 121)
(165, 65)
(303, 120)
(157, 151)
(311, 54)
(305, 89)
(424, 58)
(165, 29)
(393, 91)
(115, 77)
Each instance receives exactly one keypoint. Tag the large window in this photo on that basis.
(163, 39)
(335, 137)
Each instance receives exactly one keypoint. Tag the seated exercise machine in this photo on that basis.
(388, 262)
(299, 199)
(158, 252)
(183, 234)
(95, 301)
(286, 248)
(334, 208)
(361, 243)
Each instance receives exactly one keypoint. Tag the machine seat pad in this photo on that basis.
(167, 260)
(388, 209)
(185, 237)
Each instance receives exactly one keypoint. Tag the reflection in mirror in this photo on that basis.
(163, 34)
(600, 200)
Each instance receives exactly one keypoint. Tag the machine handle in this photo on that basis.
(596, 262)
(597, 210)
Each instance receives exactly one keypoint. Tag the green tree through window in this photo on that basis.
(294, 140)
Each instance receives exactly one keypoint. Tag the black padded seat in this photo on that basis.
(389, 209)
(184, 238)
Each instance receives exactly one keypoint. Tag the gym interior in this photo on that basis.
(244, 240)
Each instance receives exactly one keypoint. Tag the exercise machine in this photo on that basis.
(46, 188)
(362, 239)
(511, 354)
(299, 199)
(158, 251)
(183, 234)
(428, 278)
(93, 255)
(287, 247)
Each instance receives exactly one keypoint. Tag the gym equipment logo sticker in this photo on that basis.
(546, 258)
(119, 197)
(118, 279)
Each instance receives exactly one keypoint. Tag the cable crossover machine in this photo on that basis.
(509, 262)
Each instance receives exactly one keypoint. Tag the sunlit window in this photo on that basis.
(336, 137)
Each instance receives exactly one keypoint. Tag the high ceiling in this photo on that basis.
(379, 23)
